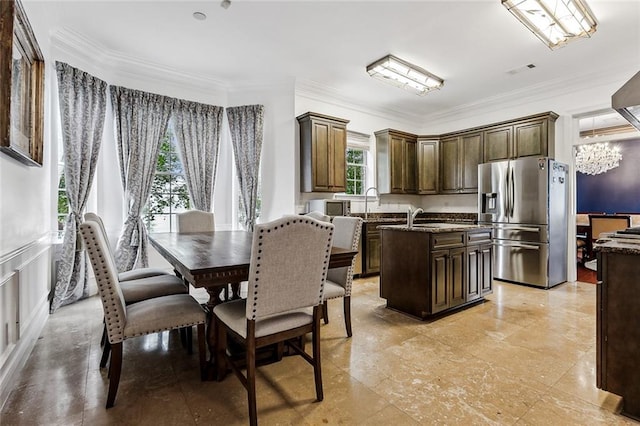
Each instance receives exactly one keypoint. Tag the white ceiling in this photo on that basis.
(327, 44)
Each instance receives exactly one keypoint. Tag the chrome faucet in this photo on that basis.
(411, 215)
(366, 199)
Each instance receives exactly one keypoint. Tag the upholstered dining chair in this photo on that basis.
(339, 280)
(145, 317)
(195, 221)
(139, 284)
(133, 274)
(319, 216)
(287, 272)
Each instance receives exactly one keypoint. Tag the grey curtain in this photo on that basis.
(83, 101)
(197, 128)
(246, 125)
(141, 122)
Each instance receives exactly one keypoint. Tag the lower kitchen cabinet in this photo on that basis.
(617, 331)
(447, 279)
(426, 270)
(370, 243)
(479, 274)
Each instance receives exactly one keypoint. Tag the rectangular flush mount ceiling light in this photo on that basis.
(555, 22)
(405, 75)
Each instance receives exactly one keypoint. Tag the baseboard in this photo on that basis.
(20, 354)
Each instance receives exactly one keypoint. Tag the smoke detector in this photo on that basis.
(225, 4)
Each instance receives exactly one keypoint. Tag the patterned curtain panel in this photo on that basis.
(197, 128)
(83, 101)
(246, 125)
(141, 122)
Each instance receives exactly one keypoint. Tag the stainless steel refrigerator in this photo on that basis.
(526, 201)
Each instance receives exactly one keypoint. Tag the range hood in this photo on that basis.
(627, 101)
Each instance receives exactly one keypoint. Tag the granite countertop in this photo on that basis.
(434, 228)
(618, 245)
(421, 218)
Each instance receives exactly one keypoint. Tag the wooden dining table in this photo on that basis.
(213, 260)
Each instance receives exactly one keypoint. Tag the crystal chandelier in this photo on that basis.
(596, 158)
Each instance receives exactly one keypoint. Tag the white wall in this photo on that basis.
(278, 168)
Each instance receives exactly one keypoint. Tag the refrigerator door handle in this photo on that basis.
(506, 195)
(513, 192)
(520, 228)
(516, 245)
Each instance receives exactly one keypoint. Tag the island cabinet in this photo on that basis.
(528, 136)
(323, 150)
(431, 269)
(617, 322)
(460, 155)
(428, 147)
(396, 162)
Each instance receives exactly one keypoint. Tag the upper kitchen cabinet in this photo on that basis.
(396, 162)
(323, 148)
(428, 164)
(524, 137)
(460, 155)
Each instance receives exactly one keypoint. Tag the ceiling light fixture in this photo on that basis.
(405, 75)
(596, 158)
(555, 22)
(225, 4)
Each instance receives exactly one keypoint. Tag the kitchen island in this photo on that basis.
(618, 320)
(433, 268)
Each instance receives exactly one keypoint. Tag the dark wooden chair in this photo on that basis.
(607, 223)
(145, 317)
(289, 260)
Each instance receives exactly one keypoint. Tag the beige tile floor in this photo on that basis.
(526, 356)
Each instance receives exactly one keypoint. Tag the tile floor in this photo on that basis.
(526, 356)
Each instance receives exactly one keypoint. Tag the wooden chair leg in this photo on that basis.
(183, 337)
(220, 348)
(317, 368)
(105, 354)
(115, 367)
(251, 376)
(325, 312)
(347, 314)
(189, 337)
(202, 352)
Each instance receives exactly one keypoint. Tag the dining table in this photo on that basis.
(213, 260)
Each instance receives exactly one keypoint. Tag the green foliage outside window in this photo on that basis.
(169, 193)
(356, 171)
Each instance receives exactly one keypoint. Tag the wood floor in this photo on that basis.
(586, 275)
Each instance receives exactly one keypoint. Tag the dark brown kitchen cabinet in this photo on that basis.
(525, 137)
(396, 162)
(460, 155)
(479, 271)
(428, 165)
(447, 279)
(370, 249)
(617, 331)
(427, 272)
(323, 148)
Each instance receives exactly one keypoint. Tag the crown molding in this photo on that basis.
(554, 88)
(319, 92)
(100, 58)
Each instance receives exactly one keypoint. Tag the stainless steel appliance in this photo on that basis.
(526, 201)
(330, 207)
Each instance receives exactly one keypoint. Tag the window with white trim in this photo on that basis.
(169, 194)
(358, 170)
